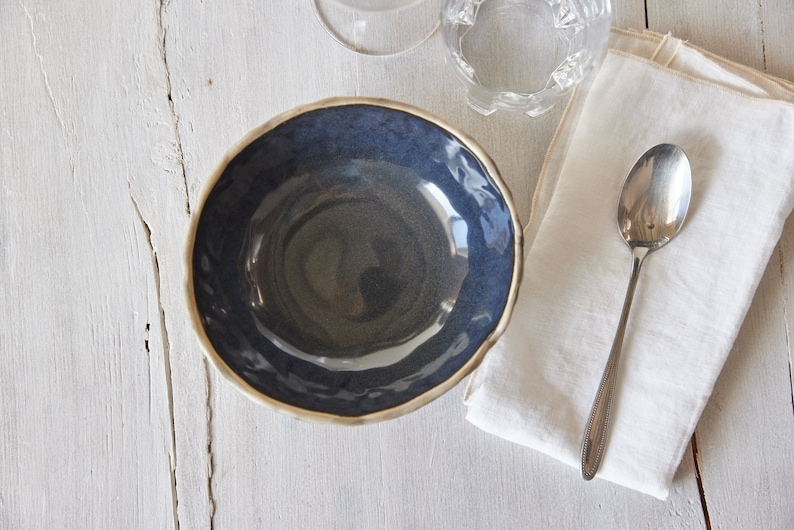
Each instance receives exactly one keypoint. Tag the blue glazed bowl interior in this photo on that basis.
(351, 259)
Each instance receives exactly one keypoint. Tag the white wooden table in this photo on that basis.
(112, 114)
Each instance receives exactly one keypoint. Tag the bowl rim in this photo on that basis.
(416, 402)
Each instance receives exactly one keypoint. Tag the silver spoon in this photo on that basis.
(651, 210)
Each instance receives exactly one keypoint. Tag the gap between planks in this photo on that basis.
(162, 45)
(174, 116)
(166, 357)
(701, 490)
(786, 323)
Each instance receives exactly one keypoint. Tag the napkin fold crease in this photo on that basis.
(536, 386)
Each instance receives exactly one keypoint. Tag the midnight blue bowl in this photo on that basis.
(352, 260)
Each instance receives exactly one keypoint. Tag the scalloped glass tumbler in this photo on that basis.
(379, 27)
(523, 55)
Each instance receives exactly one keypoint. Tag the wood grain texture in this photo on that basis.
(112, 117)
(86, 428)
(629, 15)
(777, 17)
(733, 31)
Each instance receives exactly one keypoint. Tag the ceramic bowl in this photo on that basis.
(351, 260)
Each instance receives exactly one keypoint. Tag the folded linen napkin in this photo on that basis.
(537, 385)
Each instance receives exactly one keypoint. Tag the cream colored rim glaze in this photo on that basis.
(420, 400)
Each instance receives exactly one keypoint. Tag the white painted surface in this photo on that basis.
(111, 117)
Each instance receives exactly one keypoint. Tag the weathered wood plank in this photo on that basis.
(779, 61)
(628, 15)
(776, 18)
(85, 428)
(744, 437)
(730, 29)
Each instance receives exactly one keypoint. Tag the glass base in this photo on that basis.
(379, 32)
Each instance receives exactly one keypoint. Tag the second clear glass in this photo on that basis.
(523, 55)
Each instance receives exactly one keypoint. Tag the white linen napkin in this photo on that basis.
(537, 385)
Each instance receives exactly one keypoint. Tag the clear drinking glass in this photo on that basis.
(379, 27)
(523, 55)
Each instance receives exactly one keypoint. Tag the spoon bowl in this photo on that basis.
(655, 197)
(651, 211)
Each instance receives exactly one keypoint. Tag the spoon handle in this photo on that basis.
(595, 434)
